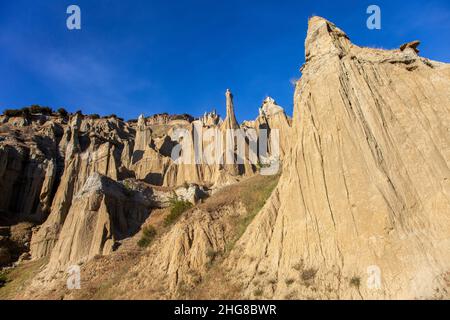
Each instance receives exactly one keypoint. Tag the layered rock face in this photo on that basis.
(362, 208)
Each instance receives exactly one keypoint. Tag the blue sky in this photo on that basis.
(144, 56)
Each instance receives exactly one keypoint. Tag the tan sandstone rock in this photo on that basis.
(362, 208)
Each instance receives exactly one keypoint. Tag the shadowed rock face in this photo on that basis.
(362, 208)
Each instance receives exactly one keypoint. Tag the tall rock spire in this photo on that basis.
(230, 120)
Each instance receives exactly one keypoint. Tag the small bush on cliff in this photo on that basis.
(62, 112)
(178, 207)
(3, 279)
(148, 234)
(13, 113)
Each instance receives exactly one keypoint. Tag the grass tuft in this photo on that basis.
(258, 292)
(178, 207)
(148, 234)
(308, 275)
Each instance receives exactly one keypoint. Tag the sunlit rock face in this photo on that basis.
(362, 208)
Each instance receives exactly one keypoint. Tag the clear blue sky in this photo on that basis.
(144, 56)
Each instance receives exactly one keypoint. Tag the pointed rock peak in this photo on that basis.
(317, 23)
(411, 45)
(324, 38)
(210, 118)
(230, 120)
(141, 122)
(270, 107)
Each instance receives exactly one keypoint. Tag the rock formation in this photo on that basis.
(46, 161)
(102, 213)
(362, 207)
(361, 210)
(81, 160)
(210, 119)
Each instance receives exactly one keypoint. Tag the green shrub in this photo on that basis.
(178, 207)
(94, 116)
(308, 274)
(13, 113)
(63, 112)
(148, 234)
